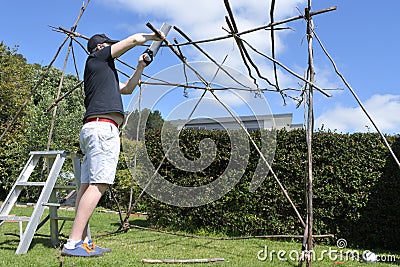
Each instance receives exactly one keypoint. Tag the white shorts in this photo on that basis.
(100, 144)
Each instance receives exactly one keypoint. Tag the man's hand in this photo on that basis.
(145, 59)
(124, 45)
(128, 87)
(158, 37)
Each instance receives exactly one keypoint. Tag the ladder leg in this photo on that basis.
(21, 230)
(54, 234)
(39, 208)
(48, 193)
(53, 212)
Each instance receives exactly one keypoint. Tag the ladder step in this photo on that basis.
(51, 204)
(65, 187)
(30, 183)
(49, 154)
(64, 218)
(13, 218)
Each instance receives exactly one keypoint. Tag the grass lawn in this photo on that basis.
(131, 247)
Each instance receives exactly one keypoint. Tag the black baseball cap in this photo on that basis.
(99, 39)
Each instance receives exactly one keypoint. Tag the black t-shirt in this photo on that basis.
(101, 83)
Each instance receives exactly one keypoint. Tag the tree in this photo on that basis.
(16, 79)
(149, 120)
(155, 120)
(69, 115)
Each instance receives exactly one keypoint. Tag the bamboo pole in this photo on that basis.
(310, 129)
(234, 30)
(54, 117)
(358, 101)
(271, 15)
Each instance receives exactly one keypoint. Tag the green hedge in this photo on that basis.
(239, 212)
(355, 188)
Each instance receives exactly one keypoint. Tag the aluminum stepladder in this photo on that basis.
(47, 198)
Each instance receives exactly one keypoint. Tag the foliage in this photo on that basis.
(31, 130)
(16, 79)
(68, 118)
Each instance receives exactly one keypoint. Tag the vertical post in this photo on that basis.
(310, 129)
(53, 213)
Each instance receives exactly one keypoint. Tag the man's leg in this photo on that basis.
(81, 191)
(88, 200)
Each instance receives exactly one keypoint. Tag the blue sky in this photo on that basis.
(361, 36)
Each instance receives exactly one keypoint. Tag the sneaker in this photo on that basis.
(96, 248)
(81, 250)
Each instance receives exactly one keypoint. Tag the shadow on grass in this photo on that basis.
(12, 244)
(138, 222)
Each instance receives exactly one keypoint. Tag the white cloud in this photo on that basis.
(384, 110)
(204, 19)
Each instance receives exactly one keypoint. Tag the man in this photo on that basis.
(99, 136)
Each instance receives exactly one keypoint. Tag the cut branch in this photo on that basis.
(153, 261)
(209, 57)
(289, 70)
(63, 96)
(265, 27)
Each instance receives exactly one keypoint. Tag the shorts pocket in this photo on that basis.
(109, 139)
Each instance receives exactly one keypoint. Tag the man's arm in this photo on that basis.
(128, 87)
(122, 46)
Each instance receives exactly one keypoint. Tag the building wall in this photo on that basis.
(277, 121)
